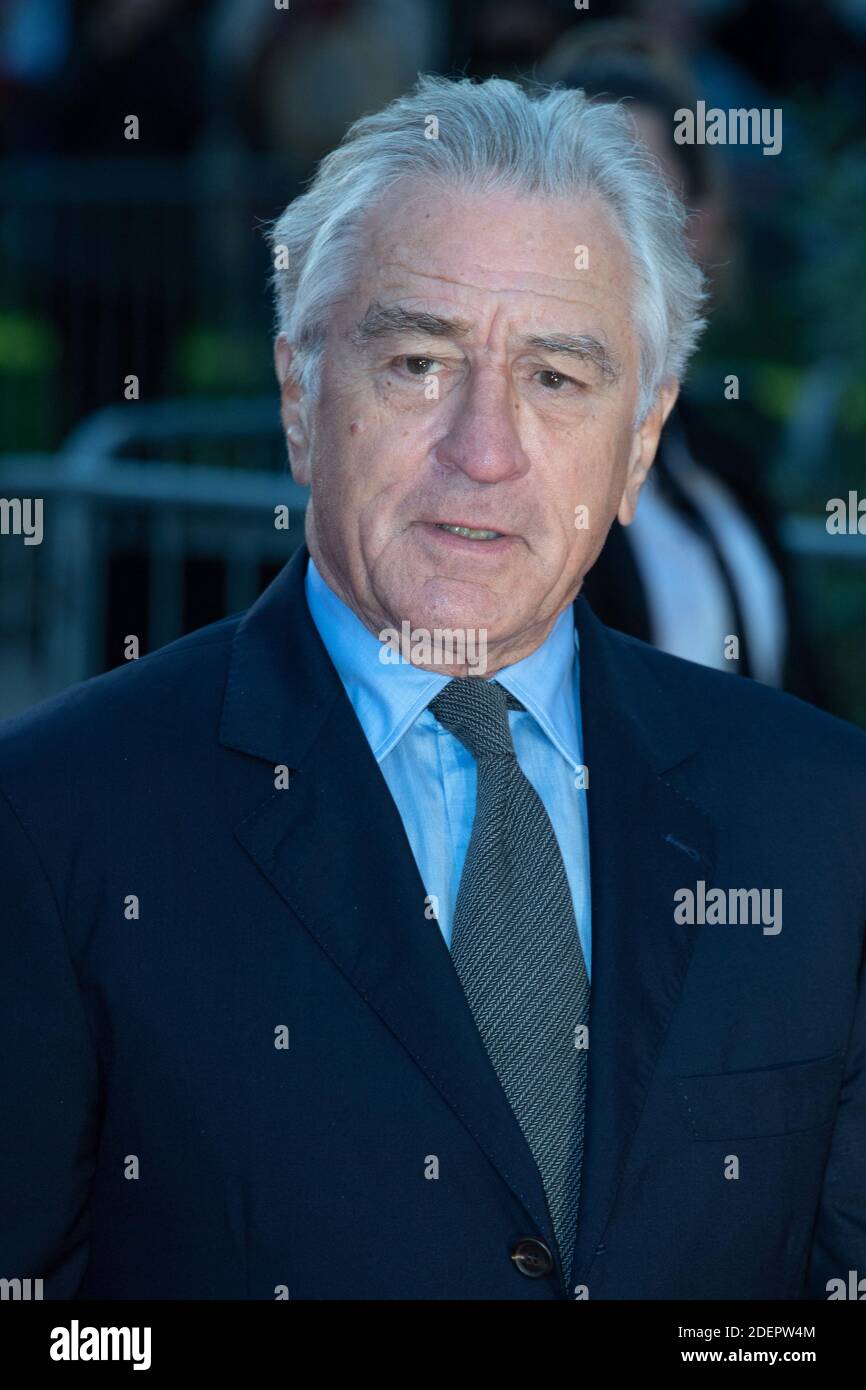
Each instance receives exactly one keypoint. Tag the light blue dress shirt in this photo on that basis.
(432, 777)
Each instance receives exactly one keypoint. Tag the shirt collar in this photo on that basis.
(388, 698)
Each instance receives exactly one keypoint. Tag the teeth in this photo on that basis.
(469, 533)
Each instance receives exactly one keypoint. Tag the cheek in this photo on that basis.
(360, 482)
(590, 494)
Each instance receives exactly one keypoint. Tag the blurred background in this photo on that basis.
(137, 396)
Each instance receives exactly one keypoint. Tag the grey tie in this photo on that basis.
(517, 951)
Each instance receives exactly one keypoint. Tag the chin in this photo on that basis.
(453, 605)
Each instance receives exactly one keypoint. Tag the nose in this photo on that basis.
(482, 438)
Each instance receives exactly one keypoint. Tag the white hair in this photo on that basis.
(548, 142)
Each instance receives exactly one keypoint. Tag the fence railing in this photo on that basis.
(98, 502)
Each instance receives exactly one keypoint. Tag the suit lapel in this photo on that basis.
(334, 848)
(646, 840)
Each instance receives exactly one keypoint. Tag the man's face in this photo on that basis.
(481, 373)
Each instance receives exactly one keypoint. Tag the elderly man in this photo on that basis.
(414, 935)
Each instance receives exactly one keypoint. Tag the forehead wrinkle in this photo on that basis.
(495, 289)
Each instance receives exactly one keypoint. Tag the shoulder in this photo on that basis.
(749, 726)
(171, 695)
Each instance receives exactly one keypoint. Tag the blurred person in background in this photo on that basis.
(79, 68)
(702, 561)
(297, 85)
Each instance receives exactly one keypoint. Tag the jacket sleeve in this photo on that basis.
(49, 1084)
(839, 1238)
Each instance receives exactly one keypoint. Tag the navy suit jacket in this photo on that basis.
(159, 1144)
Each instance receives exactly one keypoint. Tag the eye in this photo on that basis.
(419, 366)
(554, 380)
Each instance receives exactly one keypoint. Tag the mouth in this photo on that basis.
(467, 532)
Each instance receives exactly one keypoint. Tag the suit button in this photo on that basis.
(532, 1258)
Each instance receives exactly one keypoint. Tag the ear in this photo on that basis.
(643, 450)
(292, 411)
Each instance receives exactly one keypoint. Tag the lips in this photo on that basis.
(470, 530)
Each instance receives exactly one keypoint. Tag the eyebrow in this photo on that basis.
(581, 346)
(383, 320)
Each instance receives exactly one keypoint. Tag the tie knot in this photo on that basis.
(476, 711)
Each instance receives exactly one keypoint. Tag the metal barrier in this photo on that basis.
(53, 607)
